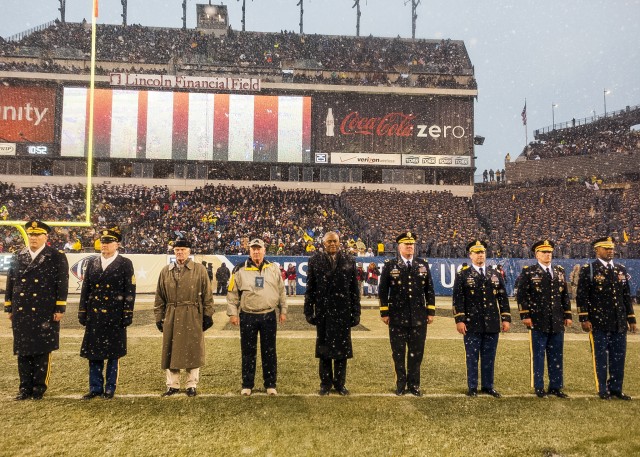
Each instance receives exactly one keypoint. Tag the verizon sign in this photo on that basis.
(342, 158)
(135, 80)
(417, 160)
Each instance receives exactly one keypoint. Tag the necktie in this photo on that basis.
(482, 272)
(408, 263)
(548, 272)
(609, 270)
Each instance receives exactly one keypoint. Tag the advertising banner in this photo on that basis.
(405, 124)
(133, 80)
(27, 114)
(343, 158)
(7, 149)
(412, 160)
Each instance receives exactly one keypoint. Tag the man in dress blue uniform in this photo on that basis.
(606, 312)
(35, 300)
(106, 310)
(543, 300)
(481, 310)
(407, 305)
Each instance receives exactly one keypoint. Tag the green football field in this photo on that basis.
(372, 421)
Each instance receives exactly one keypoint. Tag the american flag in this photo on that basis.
(524, 114)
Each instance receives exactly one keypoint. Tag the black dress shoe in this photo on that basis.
(191, 392)
(22, 396)
(400, 391)
(324, 391)
(108, 394)
(415, 391)
(605, 396)
(620, 396)
(342, 391)
(170, 391)
(493, 392)
(91, 395)
(37, 396)
(472, 393)
(558, 393)
(540, 393)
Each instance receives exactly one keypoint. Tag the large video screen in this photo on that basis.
(27, 114)
(187, 126)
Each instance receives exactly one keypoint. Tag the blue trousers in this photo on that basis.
(551, 345)
(96, 379)
(480, 347)
(609, 350)
(250, 326)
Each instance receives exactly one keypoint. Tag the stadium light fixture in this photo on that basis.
(553, 114)
(604, 96)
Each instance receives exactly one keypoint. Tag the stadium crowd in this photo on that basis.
(435, 60)
(222, 219)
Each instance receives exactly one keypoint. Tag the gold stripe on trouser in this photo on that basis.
(531, 357)
(593, 357)
(46, 379)
(466, 356)
(118, 373)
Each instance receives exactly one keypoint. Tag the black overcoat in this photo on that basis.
(332, 303)
(35, 292)
(106, 308)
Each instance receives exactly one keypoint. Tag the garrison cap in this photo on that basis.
(606, 242)
(406, 237)
(477, 246)
(543, 246)
(110, 235)
(256, 242)
(36, 227)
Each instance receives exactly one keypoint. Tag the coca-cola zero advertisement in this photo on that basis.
(387, 124)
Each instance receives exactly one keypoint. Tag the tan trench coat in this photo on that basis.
(181, 305)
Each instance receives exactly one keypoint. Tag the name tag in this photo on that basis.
(259, 282)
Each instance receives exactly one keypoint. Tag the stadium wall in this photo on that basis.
(147, 268)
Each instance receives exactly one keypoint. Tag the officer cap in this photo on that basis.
(181, 243)
(110, 235)
(477, 246)
(256, 242)
(36, 227)
(543, 246)
(606, 242)
(406, 237)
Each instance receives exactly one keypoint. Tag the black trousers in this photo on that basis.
(333, 372)
(250, 326)
(407, 344)
(34, 373)
(222, 288)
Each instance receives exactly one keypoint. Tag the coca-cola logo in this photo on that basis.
(391, 124)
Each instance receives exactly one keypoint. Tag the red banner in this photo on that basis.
(27, 114)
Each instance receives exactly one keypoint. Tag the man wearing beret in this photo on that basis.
(543, 300)
(407, 305)
(106, 310)
(255, 292)
(183, 309)
(35, 300)
(481, 310)
(606, 312)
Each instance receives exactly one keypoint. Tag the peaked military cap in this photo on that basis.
(256, 242)
(477, 246)
(606, 242)
(406, 237)
(110, 235)
(543, 246)
(36, 227)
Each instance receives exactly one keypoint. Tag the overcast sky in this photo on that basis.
(547, 51)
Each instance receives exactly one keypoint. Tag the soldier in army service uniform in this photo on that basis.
(407, 305)
(543, 300)
(481, 310)
(106, 310)
(606, 312)
(35, 300)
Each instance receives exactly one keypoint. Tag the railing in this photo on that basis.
(584, 121)
(21, 35)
